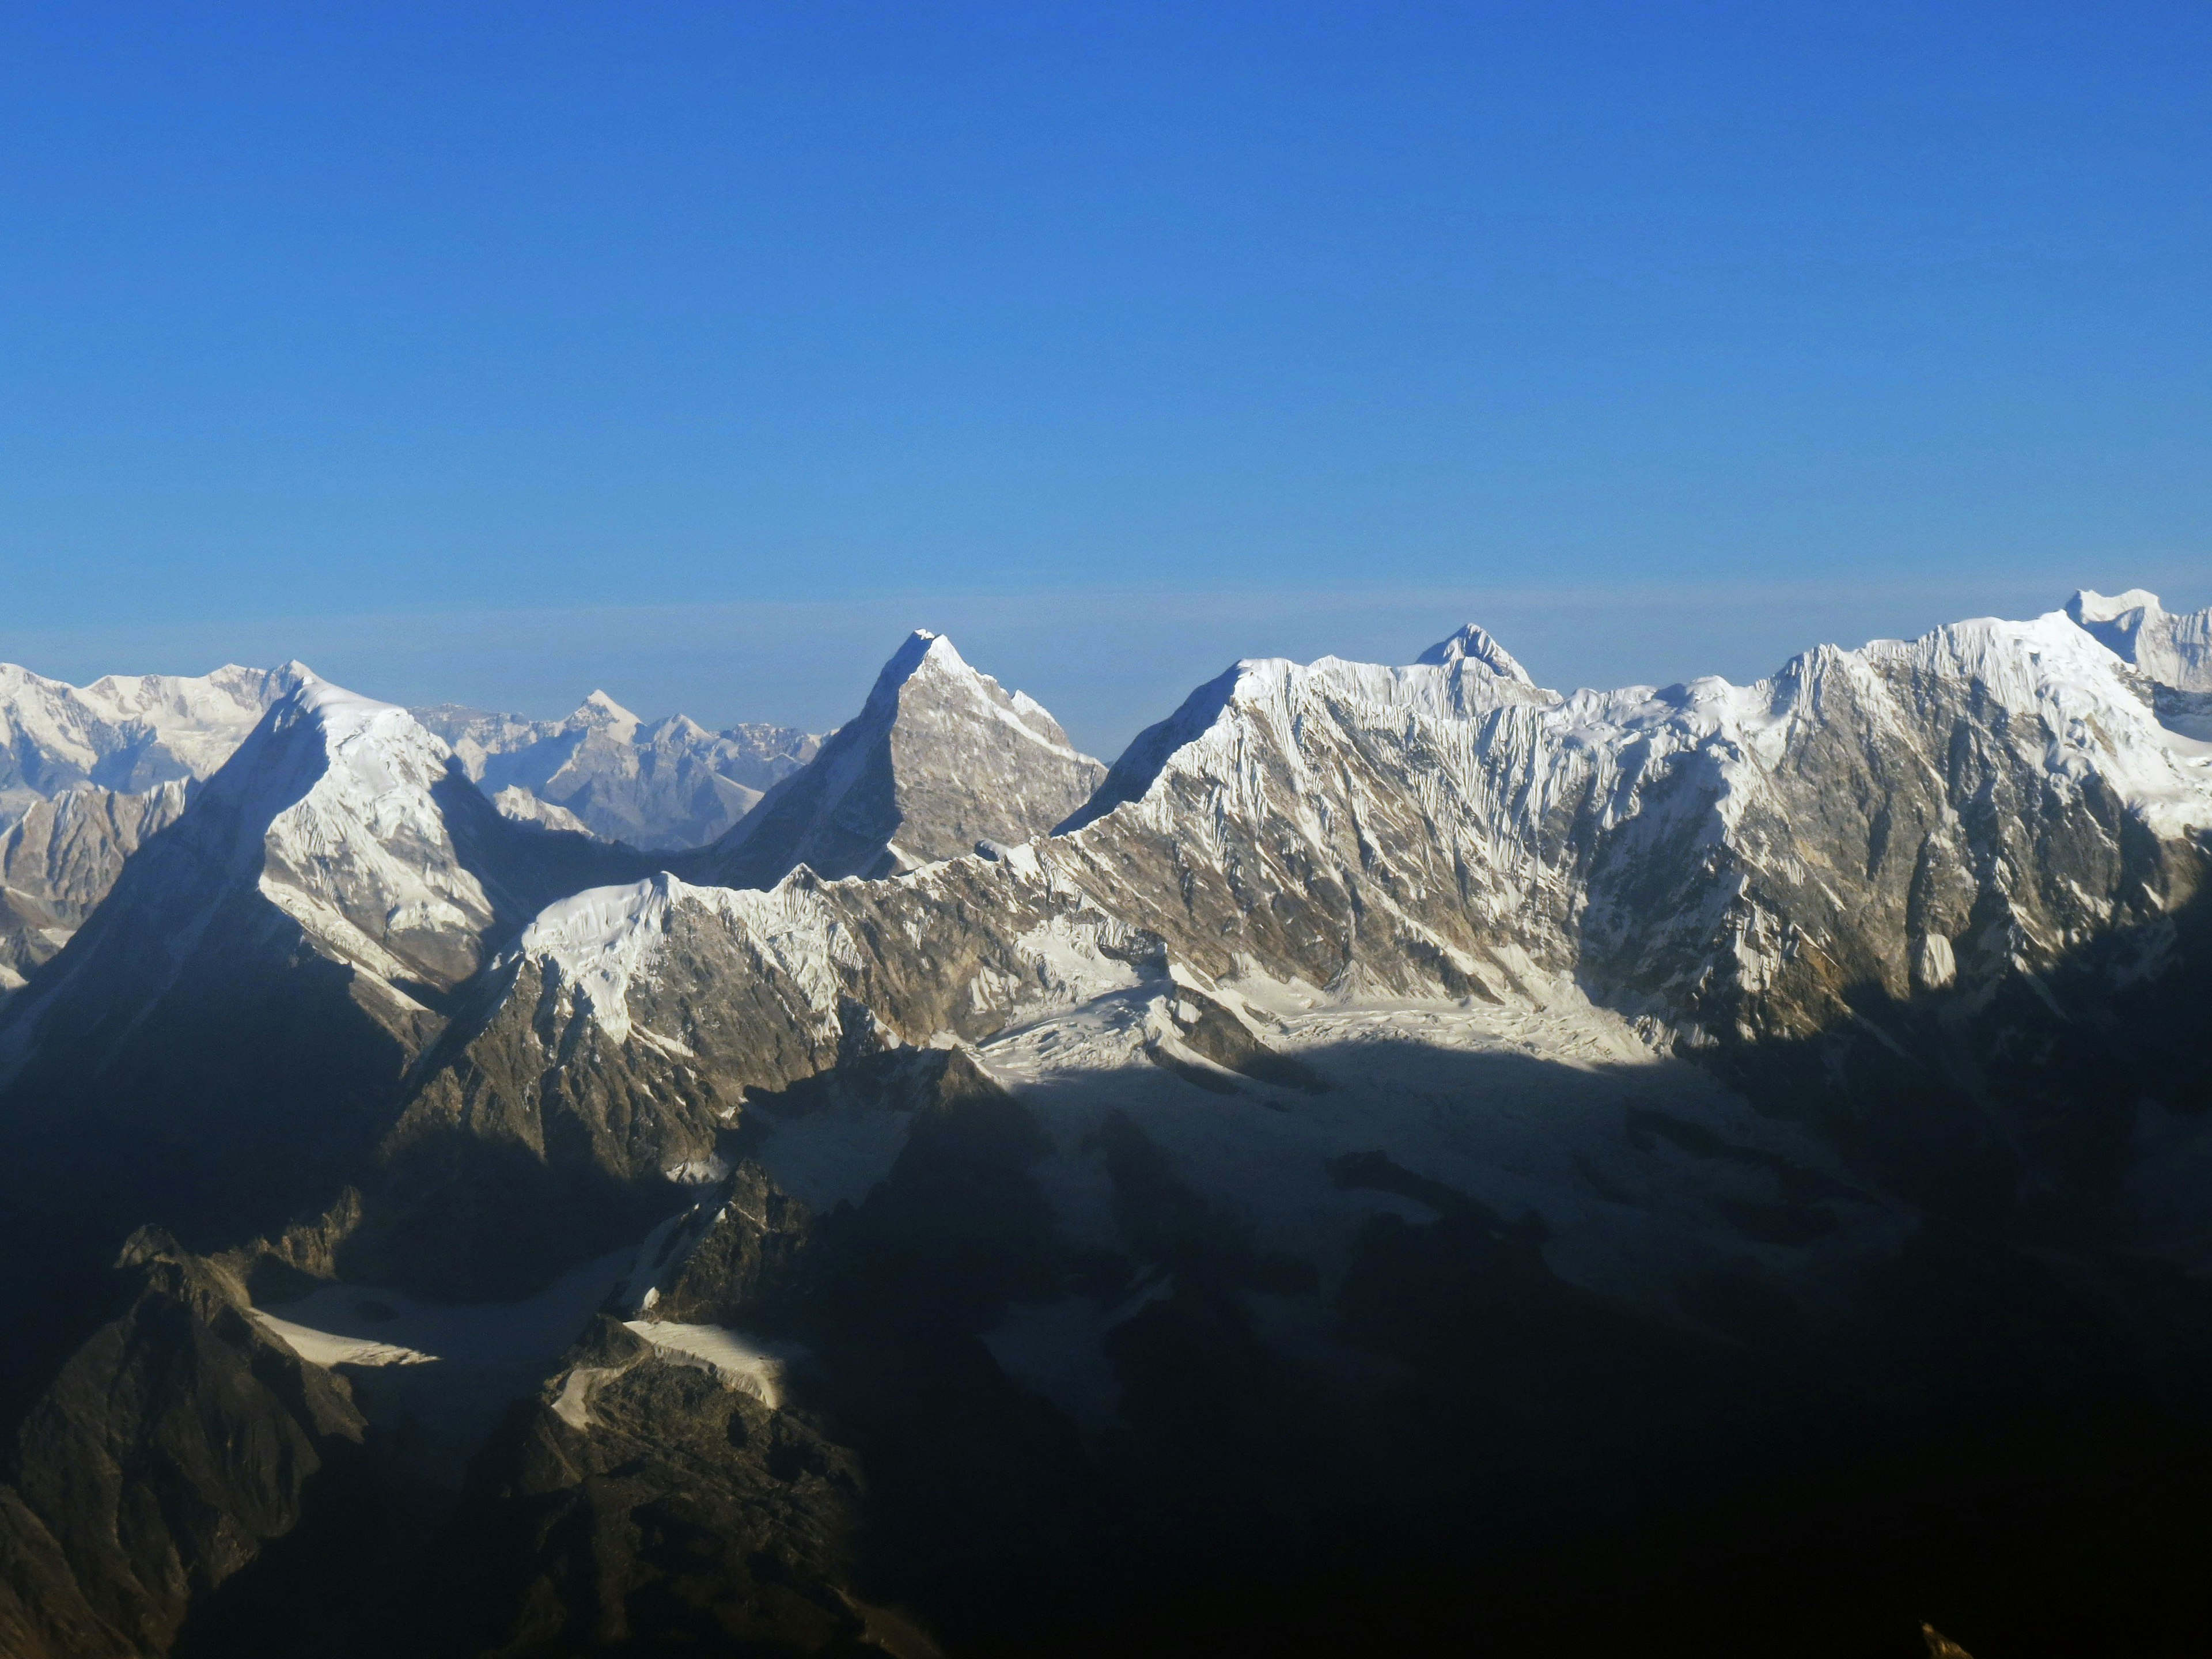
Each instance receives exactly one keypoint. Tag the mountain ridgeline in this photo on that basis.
(1404, 1156)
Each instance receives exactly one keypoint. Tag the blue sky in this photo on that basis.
(499, 352)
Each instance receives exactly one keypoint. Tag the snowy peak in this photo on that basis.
(939, 758)
(337, 809)
(341, 833)
(2172, 650)
(920, 648)
(601, 713)
(1473, 644)
(89, 772)
(928, 665)
(1905, 813)
(923, 644)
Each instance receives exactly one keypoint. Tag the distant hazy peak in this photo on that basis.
(601, 711)
(1475, 644)
(681, 727)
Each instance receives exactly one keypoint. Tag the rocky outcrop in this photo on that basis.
(643, 1504)
(171, 1446)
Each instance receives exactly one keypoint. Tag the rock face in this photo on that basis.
(664, 785)
(1728, 857)
(1412, 1157)
(942, 758)
(177, 1440)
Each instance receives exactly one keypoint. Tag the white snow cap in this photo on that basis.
(925, 647)
(2088, 605)
(1473, 644)
(2174, 650)
(928, 653)
(601, 710)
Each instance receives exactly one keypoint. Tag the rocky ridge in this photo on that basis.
(228, 1026)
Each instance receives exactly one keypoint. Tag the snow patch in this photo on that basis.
(735, 1359)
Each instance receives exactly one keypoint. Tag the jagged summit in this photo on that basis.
(939, 758)
(931, 656)
(2171, 650)
(1475, 644)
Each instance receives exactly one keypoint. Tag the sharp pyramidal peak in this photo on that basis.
(940, 758)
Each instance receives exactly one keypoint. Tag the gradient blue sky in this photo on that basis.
(495, 352)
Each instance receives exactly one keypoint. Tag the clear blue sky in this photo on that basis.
(500, 351)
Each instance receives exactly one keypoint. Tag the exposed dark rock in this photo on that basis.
(168, 1449)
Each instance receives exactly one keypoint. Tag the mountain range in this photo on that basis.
(1403, 1155)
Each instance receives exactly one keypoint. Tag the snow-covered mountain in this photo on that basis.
(940, 758)
(89, 772)
(660, 785)
(2172, 650)
(127, 732)
(1736, 858)
(1714, 864)
(1391, 1104)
